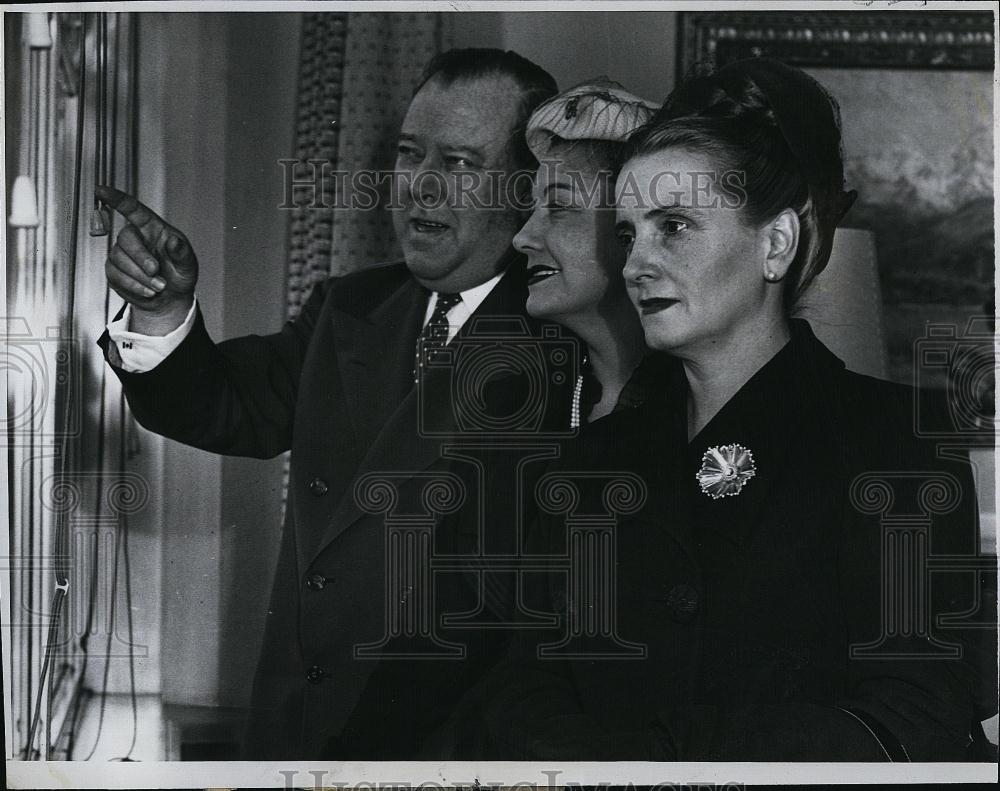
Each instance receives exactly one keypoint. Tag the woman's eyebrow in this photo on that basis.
(556, 185)
(659, 211)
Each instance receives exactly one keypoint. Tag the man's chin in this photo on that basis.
(425, 267)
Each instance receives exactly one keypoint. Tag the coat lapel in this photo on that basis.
(375, 352)
(373, 331)
(662, 439)
(400, 443)
(775, 415)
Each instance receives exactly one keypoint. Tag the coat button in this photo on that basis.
(315, 674)
(318, 487)
(683, 603)
(316, 582)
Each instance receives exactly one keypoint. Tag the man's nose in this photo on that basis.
(427, 184)
(526, 240)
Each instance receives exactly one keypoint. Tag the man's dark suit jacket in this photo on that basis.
(336, 387)
(748, 607)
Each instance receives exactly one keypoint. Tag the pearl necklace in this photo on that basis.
(574, 415)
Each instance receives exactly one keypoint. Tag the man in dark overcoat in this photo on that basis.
(373, 387)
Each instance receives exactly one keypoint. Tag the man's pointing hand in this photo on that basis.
(152, 266)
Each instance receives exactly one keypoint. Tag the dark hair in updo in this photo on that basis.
(728, 116)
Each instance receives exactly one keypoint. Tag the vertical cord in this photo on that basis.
(43, 192)
(101, 177)
(47, 271)
(27, 511)
(127, 422)
(38, 143)
(71, 305)
(99, 115)
(93, 542)
(122, 408)
(28, 506)
(15, 497)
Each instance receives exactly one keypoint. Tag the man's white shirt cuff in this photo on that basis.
(140, 353)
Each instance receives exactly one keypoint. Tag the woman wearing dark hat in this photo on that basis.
(574, 261)
(757, 614)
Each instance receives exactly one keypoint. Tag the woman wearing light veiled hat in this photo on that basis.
(773, 600)
(574, 262)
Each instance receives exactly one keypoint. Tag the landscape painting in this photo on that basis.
(919, 149)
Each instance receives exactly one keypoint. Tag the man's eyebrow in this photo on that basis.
(464, 147)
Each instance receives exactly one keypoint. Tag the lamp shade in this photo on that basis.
(23, 206)
(844, 304)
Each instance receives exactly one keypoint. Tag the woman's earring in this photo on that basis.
(771, 276)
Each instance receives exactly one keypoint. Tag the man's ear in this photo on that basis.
(782, 235)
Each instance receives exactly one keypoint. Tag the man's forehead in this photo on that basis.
(467, 110)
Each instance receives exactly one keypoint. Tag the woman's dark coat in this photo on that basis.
(768, 625)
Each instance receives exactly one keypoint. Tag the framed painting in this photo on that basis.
(916, 97)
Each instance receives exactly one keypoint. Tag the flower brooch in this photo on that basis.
(725, 470)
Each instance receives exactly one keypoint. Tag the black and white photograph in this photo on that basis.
(508, 394)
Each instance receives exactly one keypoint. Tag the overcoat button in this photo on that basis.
(683, 603)
(318, 487)
(316, 582)
(315, 674)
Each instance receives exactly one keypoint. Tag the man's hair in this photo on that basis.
(472, 63)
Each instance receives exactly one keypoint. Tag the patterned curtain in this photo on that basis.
(356, 77)
(317, 128)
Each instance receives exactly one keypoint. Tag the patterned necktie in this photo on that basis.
(434, 335)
